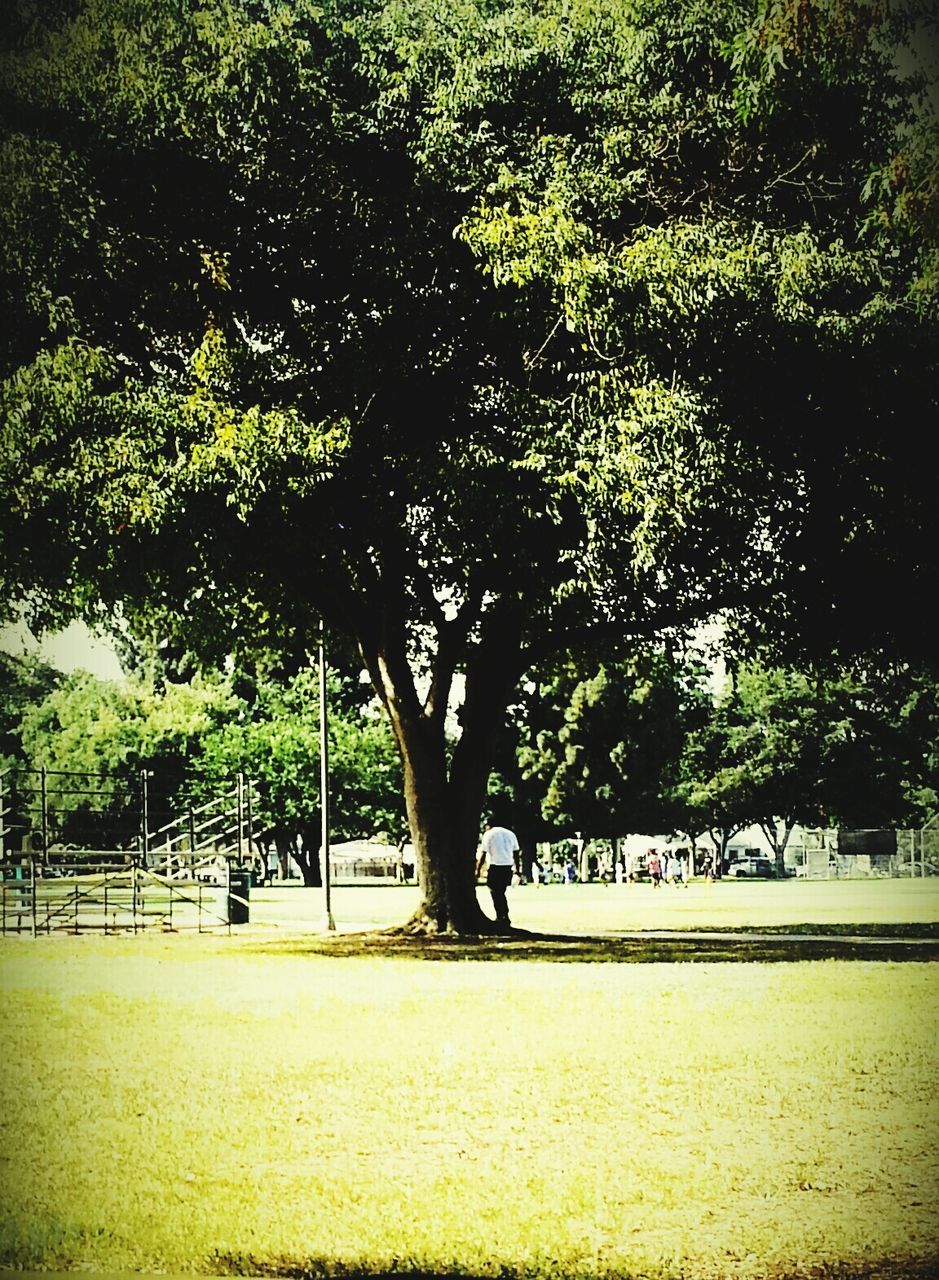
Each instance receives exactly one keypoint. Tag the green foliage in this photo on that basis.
(103, 725)
(95, 737)
(24, 681)
(256, 303)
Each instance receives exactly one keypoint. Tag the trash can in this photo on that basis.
(239, 891)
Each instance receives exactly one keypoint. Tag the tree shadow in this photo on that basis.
(660, 948)
(327, 1269)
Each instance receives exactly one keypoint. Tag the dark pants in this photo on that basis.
(498, 880)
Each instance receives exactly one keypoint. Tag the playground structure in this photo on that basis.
(82, 851)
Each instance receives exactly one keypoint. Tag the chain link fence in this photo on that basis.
(840, 854)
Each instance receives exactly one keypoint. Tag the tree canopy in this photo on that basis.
(477, 333)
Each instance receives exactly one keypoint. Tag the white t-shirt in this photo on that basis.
(500, 846)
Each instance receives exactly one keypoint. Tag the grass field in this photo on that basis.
(599, 908)
(216, 1104)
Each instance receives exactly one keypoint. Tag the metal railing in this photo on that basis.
(80, 851)
(82, 897)
(50, 812)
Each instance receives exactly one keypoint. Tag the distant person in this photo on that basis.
(684, 866)
(676, 869)
(498, 848)
(532, 870)
(654, 863)
(406, 863)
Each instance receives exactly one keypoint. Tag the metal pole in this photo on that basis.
(32, 891)
(2, 812)
(329, 922)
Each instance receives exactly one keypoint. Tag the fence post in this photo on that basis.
(44, 813)
(3, 774)
(240, 818)
(250, 823)
(32, 888)
(144, 818)
(3, 874)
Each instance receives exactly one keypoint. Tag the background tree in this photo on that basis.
(781, 733)
(882, 744)
(24, 681)
(607, 764)
(825, 747)
(481, 338)
(97, 737)
(192, 739)
(712, 793)
(276, 743)
(918, 705)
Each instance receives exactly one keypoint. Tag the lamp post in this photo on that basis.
(328, 921)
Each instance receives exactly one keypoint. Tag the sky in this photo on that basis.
(69, 650)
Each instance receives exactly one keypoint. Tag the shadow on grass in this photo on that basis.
(687, 947)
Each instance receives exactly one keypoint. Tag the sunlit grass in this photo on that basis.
(195, 1103)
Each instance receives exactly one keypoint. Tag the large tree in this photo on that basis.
(477, 334)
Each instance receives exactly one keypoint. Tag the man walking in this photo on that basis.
(500, 847)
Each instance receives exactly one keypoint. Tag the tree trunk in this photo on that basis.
(307, 857)
(777, 842)
(445, 791)
(788, 827)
